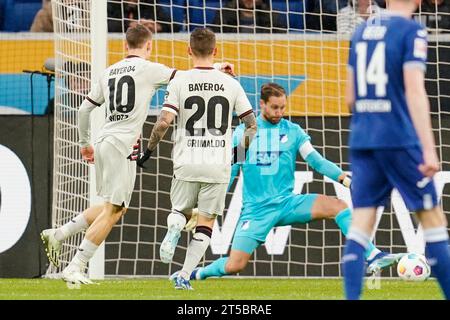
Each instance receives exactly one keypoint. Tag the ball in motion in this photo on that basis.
(413, 267)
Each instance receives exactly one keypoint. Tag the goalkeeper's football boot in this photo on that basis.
(51, 245)
(195, 275)
(382, 261)
(169, 244)
(182, 283)
(75, 275)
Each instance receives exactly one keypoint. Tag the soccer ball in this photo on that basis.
(413, 267)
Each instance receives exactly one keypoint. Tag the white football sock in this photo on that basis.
(84, 253)
(196, 250)
(77, 224)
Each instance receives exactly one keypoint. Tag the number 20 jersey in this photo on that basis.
(126, 88)
(381, 49)
(204, 100)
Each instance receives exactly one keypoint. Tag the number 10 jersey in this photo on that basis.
(126, 88)
(204, 100)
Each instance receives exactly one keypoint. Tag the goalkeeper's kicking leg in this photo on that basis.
(326, 207)
(304, 208)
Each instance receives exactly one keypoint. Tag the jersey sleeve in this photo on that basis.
(172, 99)
(314, 158)
(302, 138)
(161, 74)
(95, 96)
(415, 47)
(243, 107)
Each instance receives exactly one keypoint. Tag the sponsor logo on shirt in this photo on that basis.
(267, 158)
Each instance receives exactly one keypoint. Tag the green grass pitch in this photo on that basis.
(213, 289)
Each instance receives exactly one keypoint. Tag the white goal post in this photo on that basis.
(310, 64)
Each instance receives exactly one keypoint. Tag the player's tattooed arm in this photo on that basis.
(250, 129)
(240, 151)
(159, 130)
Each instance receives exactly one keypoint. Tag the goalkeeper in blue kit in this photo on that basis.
(268, 198)
(386, 91)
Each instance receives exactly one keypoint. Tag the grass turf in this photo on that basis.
(213, 289)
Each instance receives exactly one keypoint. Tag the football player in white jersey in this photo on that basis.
(204, 100)
(126, 88)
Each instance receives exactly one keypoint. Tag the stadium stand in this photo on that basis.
(19, 14)
(198, 17)
(294, 19)
(176, 9)
(2, 13)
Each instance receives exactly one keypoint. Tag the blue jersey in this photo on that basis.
(380, 49)
(270, 165)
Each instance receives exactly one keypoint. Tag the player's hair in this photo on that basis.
(271, 89)
(137, 36)
(202, 42)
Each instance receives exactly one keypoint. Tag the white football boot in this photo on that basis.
(75, 275)
(169, 244)
(51, 245)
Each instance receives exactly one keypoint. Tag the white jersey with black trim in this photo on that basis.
(204, 100)
(126, 88)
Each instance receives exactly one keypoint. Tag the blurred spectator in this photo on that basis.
(125, 13)
(247, 16)
(43, 21)
(355, 13)
(73, 16)
(435, 15)
(321, 15)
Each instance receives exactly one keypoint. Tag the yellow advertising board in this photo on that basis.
(313, 71)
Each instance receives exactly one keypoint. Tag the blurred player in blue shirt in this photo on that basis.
(268, 198)
(391, 141)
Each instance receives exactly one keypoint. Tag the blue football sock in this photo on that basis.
(344, 220)
(353, 263)
(438, 255)
(215, 269)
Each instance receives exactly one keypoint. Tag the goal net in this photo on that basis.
(294, 43)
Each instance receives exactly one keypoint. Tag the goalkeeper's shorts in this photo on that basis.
(256, 221)
(115, 174)
(376, 172)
